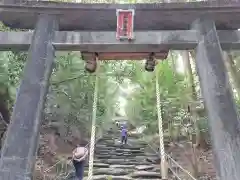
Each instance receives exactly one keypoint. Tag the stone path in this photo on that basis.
(121, 162)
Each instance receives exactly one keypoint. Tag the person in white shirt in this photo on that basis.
(78, 158)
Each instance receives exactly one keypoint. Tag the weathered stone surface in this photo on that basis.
(103, 151)
(121, 166)
(97, 177)
(104, 177)
(103, 156)
(135, 151)
(100, 145)
(101, 165)
(20, 146)
(118, 157)
(123, 150)
(153, 41)
(217, 92)
(121, 178)
(119, 154)
(111, 171)
(144, 167)
(22, 14)
(145, 174)
(122, 162)
(153, 160)
(150, 154)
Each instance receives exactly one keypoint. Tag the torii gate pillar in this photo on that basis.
(22, 139)
(223, 118)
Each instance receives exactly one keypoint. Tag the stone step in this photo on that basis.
(122, 155)
(119, 155)
(151, 154)
(102, 151)
(125, 146)
(126, 163)
(103, 147)
(103, 156)
(114, 153)
(144, 167)
(107, 138)
(145, 174)
(115, 161)
(112, 171)
(122, 166)
(101, 165)
(105, 177)
(106, 163)
(98, 145)
(108, 143)
(154, 179)
(113, 157)
(129, 150)
(153, 159)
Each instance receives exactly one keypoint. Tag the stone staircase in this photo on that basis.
(120, 162)
(136, 160)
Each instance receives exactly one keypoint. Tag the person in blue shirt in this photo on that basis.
(124, 134)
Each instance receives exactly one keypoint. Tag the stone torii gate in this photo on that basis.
(207, 27)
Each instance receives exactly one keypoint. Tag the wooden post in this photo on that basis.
(21, 143)
(223, 118)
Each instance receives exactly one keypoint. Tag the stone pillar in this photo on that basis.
(223, 118)
(21, 143)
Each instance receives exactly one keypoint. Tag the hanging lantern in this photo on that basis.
(150, 63)
(91, 64)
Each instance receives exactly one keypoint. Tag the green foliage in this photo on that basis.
(70, 97)
(72, 92)
(141, 106)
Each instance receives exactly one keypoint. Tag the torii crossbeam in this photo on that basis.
(207, 27)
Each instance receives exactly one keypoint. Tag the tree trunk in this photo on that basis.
(192, 113)
(173, 64)
(171, 131)
(189, 74)
(194, 162)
